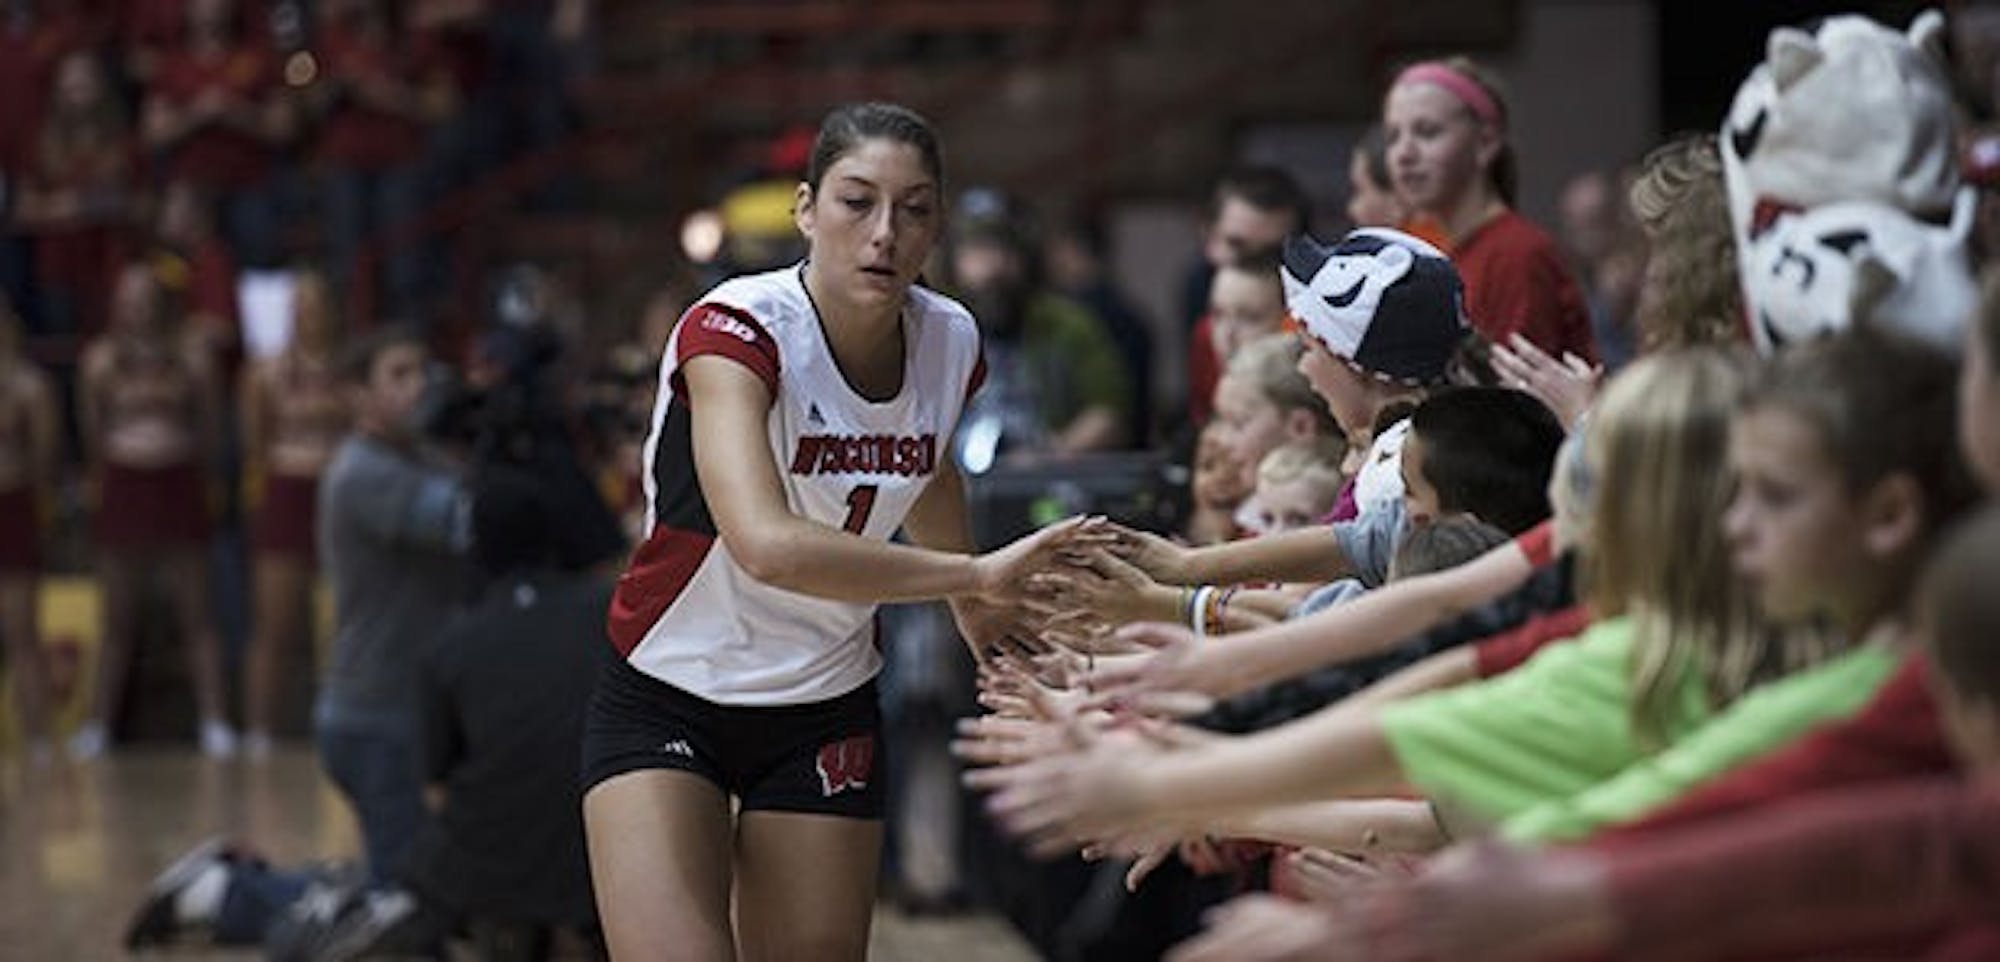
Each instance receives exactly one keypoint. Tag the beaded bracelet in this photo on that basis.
(1221, 601)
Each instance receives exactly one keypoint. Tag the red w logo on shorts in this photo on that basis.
(846, 764)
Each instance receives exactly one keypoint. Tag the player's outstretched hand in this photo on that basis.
(1001, 575)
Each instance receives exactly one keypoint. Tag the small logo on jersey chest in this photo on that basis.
(813, 416)
(905, 455)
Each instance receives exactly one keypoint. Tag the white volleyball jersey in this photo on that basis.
(685, 612)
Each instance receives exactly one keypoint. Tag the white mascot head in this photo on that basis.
(1861, 262)
(1851, 112)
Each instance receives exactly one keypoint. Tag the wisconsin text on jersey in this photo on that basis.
(865, 454)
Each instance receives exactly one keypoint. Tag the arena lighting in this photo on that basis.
(701, 236)
(301, 69)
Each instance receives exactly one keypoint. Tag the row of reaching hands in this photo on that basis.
(1081, 704)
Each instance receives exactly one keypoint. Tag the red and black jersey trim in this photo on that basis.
(660, 570)
(978, 378)
(731, 333)
(682, 535)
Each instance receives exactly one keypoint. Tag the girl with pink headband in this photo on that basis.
(1449, 160)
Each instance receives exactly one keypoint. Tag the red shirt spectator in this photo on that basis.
(1897, 735)
(199, 269)
(223, 99)
(28, 54)
(1516, 282)
(1893, 872)
(380, 88)
(77, 196)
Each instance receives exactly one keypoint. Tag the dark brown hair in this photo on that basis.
(848, 126)
(357, 360)
(1267, 188)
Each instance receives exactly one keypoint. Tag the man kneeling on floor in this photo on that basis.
(501, 858)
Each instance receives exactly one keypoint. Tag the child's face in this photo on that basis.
(1420, 500)
(1248, 425)
(1242, 308)
(1791, 525)
(1290, 505)
(1979, 411)
(1218, 476)
(1437, 149)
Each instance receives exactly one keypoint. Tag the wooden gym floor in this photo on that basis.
(78, 844)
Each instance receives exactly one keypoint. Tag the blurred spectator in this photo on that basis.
(1218, 488)
(1254, 209)
(380, 93)
(391, 528)
(1607, 254)
(1690, 292)
(148, 406)
(293, 416)
(1077, 254)
(151, 30)
(1261, 403)
(199, 269)
(1447, 124)
(218, 114)
(1055, 383)
(29, 459)
(77, 196)
(537, 48)
(34, 35)
(1246, 303)
(1299, 482)
(469, 140)
(1371, 196)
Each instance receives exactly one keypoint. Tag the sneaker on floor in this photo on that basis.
(184, 896)
(89, 742)
(302, 933)
(385, 925)
(218, 740)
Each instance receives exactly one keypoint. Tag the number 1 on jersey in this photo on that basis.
(860, 503)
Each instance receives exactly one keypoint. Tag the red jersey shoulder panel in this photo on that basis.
(721, 330)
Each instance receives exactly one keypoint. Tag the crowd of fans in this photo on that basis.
(1618, 636)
